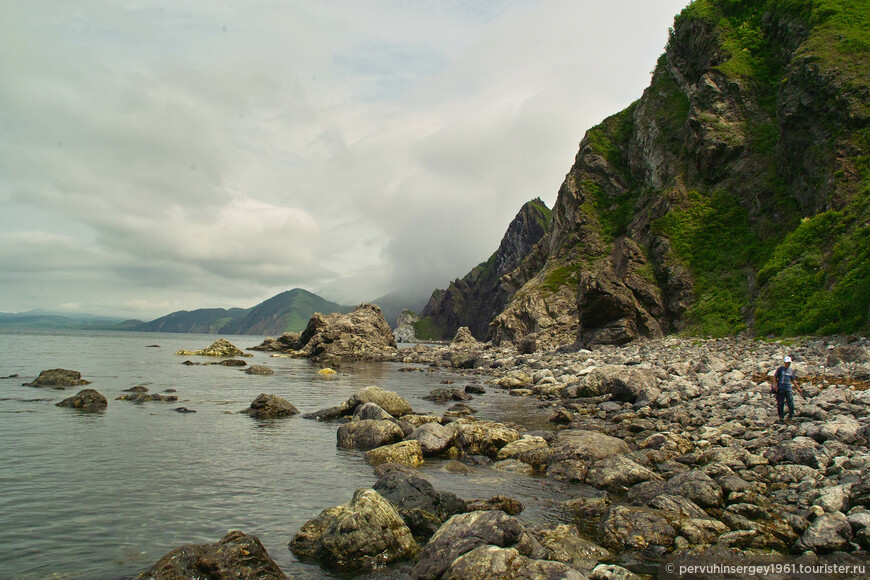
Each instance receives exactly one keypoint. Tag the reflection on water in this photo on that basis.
(102, 496)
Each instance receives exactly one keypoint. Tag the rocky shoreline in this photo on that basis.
(672, 445)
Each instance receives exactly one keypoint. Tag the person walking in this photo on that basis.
(783, 383)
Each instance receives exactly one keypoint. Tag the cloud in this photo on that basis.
(199, 154)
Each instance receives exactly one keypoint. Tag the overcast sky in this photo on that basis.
(158, 156)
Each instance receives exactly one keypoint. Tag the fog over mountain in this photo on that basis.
(167, 156)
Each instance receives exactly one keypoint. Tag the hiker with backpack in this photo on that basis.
(783, 383)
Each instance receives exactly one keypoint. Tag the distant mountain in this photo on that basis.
(35, 319)
(285, 312)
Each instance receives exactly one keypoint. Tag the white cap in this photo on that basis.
(787, 359)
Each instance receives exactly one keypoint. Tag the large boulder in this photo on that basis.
(622, 382)
(827, 533)
(696, 486)
(219, 348)
(368, 434)
(434, 438)
(404, 453)
(563, 543)
(365, 534)
(463, 533)
(59, 378)
(573, 451)
(420, 505)
(87, 400)
(491, 562)
(636, 528)
(618, 473)
(389, 401)
(361, 335)
(236, 556)
(484, 437)
(270, 407)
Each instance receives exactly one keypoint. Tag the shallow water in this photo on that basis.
(104, 496)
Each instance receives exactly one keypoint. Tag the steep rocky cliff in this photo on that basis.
(474, 300)
(733, 195)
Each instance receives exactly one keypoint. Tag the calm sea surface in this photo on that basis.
(104, 496)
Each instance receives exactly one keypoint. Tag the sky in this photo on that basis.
(160, 156)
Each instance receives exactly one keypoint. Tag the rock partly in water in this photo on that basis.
(236, 556)
(368, 434)
(404, 453)
(59, 378)
(88, 400)
(422, 507)
(365, 534)
(389, 401)
(270, 407)
(259, 370)
(220, 348)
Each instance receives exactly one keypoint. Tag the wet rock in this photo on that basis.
(386, 400)
(405, 453)
(270, 407)
(612, 572)
(328, 414)
(484, 437)
(365, 534)
(485, 562)
(636, 528)
(530, 449)
(219, 348)
(506, 504)
(232, 362)
(184, 410)
(421, 506)
(368, 434)
(237, 556)
(563, 543)
(464, 532)
(474, 389)
(434, 438)
(445, 395)
(88, 400)
(370, 411)
(147, 397)
(259, 370)
(58, 378)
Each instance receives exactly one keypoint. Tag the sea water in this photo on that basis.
(105, 495)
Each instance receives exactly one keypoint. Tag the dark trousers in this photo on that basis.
(783, 397)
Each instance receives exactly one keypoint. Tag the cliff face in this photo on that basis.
(732, 195)
(474, 300)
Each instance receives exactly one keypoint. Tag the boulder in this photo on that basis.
(696, 486)
(636, 528)
(220, 348)
(506, 504)
(484, 437)
(573, 451)
(88, 400)
(618, 473)
(564, 544)
(270, 407)
(368, 434)
(386, 400)
(463, 533)
(434, 438)
(363, 535)
(259, 370)
(140, 398)
(827, 533)
(421, 506)
(360, 335)
(464, 338)
(237, 556)
(370, 411)
(485, 562)
(405, 453)
(622, 382)
(797, 451)
(59, 378)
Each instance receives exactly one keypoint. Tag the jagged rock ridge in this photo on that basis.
(474, 300)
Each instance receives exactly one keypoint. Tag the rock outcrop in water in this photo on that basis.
(360, 335)
(270, 407)
(58, 378)
(88, 400)
(219, 348)
(237, 556)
